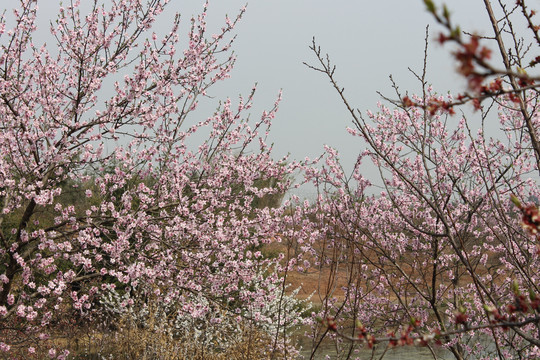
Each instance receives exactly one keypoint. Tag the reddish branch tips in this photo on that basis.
(530, 217)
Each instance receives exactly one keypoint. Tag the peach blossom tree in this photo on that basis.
(102, 191)
(447, 251)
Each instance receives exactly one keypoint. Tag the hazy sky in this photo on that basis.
(367, 41)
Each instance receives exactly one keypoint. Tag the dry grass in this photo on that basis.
(127, 341)
(147, 344)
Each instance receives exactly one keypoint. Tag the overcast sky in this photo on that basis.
(367, 40)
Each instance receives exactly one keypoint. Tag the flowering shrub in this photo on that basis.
(213, 331)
